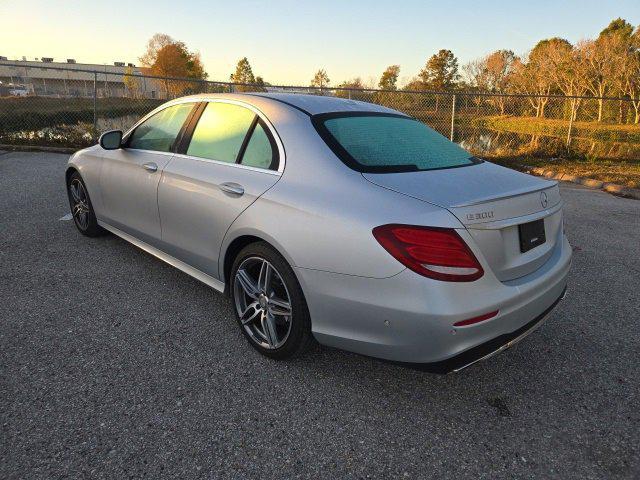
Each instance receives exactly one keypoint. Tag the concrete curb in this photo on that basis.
(613, 188)
(36, 148)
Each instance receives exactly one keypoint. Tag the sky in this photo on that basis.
(287, 41)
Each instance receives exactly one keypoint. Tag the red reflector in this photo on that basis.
(438, 253)
(471, 321)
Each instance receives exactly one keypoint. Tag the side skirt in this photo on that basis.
(180, 265)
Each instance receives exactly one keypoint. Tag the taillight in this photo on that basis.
(438, 253)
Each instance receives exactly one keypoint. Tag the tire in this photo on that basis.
(81, 207)
(262, 312)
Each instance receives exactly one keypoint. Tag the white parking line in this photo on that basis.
(66, 217)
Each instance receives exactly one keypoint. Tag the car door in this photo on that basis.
(230, 158)
(130, 175)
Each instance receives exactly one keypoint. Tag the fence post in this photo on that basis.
(571, 110)
(95, 105)
(453, 115)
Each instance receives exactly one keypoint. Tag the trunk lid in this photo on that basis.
(491, 202)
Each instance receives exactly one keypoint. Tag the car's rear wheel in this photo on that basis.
(81, 208)
(269, 303)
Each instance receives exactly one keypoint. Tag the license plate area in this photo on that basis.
(531, 235)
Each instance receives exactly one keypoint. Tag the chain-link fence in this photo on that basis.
(60, 107)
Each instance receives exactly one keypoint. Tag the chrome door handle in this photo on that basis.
(150, 167)
(231, 187)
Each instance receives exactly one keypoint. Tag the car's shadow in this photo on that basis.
(538, 364)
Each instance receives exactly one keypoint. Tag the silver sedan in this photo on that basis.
(334, 221)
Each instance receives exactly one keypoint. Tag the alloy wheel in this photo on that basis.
(262, 302)
(80, 203)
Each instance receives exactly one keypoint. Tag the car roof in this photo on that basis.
(309, 104)
(316, 104)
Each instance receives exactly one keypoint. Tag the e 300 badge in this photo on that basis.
(480, 215)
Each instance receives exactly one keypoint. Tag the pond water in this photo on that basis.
(493, 143)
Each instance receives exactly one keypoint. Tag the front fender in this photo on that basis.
(88, 163)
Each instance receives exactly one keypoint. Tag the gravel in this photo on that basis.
(114, 365)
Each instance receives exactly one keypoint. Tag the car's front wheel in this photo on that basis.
(81, 208)
(269, 304)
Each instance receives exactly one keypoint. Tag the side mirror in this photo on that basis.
(111, 140)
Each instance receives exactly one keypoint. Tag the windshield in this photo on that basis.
(383, 143)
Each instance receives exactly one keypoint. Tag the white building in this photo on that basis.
(45, 77)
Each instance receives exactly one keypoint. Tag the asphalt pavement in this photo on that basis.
(116, 365)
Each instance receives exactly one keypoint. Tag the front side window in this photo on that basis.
(388, 143)
(220, 132)
(160, 131)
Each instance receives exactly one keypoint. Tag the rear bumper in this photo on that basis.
(487, 349)
(410, 319)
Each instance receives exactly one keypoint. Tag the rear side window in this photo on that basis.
(388, 143)
(261, 150)
(160, 131)
(220, 132)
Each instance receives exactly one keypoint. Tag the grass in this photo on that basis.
(629, 133)
(622, 172)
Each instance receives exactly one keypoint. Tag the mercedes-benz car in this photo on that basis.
(331, 220)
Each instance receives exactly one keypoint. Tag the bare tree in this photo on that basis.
(624, 59)
(156, 43)
(493, 74)
(473, 73)
(533, 75)
(628, 80)
(601, 66)
(569, 73)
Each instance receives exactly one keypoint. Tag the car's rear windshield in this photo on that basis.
(380, 143)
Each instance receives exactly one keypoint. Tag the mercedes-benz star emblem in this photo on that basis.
(543, 199)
